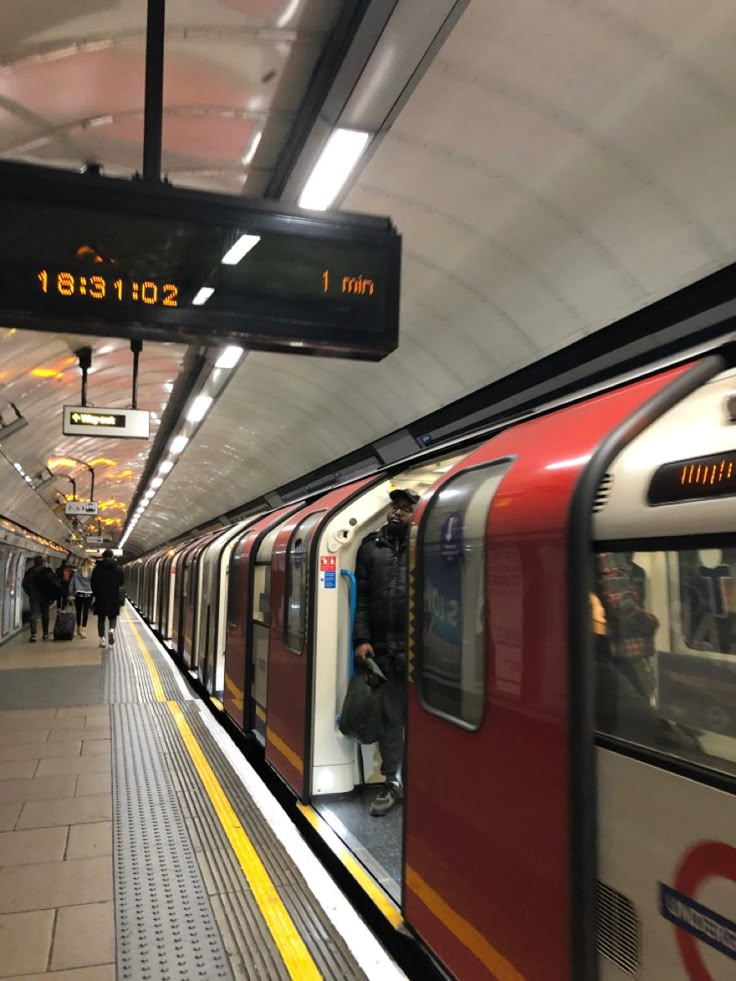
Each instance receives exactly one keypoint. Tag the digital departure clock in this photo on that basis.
(126, 257)
(694, 479)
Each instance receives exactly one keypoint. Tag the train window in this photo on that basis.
(665, 641)
(450, 667)
(297, 557)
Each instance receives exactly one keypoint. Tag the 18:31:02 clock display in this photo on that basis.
(98, 287)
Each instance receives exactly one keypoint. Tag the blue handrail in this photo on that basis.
(353, 587)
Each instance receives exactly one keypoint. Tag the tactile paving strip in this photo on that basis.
(127, 678)
(328, 949)
(165, 925)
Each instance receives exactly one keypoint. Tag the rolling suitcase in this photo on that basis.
(65, 626)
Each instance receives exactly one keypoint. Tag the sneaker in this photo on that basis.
(32, 638)
(102, 642)
(46, 637)
(387, 798)
(111, 637)
(82, 633)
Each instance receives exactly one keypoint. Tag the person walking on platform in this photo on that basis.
(81, 587)
(107, 585)
(380, 631)
(42, 588)
(64, 575)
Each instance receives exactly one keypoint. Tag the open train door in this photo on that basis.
(294, 573)
(500, 852)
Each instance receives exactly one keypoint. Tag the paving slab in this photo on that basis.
(37, 788)
(39, 751)
(79, 732)
(73, 764)
(93, 783)
(89, 840)
(25, 939)
(9, 814)
(17, 769)
(96, 747)
(72, 810)
(84, 936)
(54, 884)
(102, 972)
(32, 847)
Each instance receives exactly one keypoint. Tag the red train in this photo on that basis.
(570, 756)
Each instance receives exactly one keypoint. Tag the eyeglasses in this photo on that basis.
(403, 508)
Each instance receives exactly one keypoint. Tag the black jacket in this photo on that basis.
(107, 581)
(41, 581)
(381, 614)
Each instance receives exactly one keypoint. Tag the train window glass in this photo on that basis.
(450, 658)
(262, 593)
(297, 556)
(664, 625)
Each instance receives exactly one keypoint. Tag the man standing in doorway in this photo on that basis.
(380, 631)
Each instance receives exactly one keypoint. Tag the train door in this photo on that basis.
(213, 608)
(293, 589)
(248, 623)
(20, 596)
(10, 594)
(163, 594)
(345, 775)
(4, 598)
(500, 800)
(193, 587)
(184, 585)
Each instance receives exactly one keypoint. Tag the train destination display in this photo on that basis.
(694, 479)
(94, 254)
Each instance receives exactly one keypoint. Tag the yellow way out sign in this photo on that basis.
(80, 420)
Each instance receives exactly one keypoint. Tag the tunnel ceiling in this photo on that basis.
(558, 166)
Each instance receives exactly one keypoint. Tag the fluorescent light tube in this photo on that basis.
(198, 408)
(248, 158)
(203, 295)
(166, 467)
(156, 483)
(178, 444)
(335, 164)
(229, 357)
(236, 252)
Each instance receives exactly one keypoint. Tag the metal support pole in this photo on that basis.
(154, 96)
(136, 347)
(73, 482)
(85, 360)
(92, 482)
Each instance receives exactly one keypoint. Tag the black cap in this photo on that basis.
(402, 494)
(107, 554)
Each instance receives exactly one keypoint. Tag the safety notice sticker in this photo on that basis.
(327, 563)
(330, 580)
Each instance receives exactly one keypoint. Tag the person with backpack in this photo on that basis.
(107, 585)
(42, 588)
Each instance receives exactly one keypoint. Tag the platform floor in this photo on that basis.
(135, 841)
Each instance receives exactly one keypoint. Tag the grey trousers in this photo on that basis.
(393, 692)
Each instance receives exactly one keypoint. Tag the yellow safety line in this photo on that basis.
(296, 956)
(158, 688)
(217, 703)
(351, 864)
(286, 751)
(465, 932)
(298, 960)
